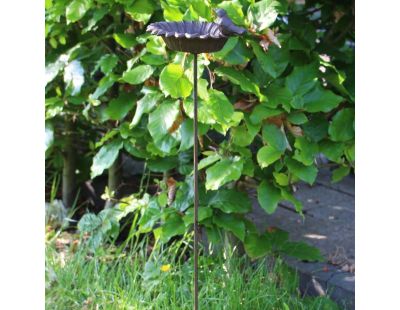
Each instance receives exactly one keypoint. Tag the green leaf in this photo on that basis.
(229, 201)
(186, 131)
(162, 199)
(274, 137)
(171, 13)
(138, 75)
(126, 40)
(281, 178)
(173, 82)
(89, 222)
(77, 9)
(262, 14)
(154, 60)
(339, 173)
(155, 45)
(267, 155)
(278, 95)
(332, 150)
(145, 105)
(150, 215)
(118, 108)
(297, 102)
(350, 152)
(173, 226)
(185, 195)
(203, 213)
(317, 128)
(229, 46)
(297, 118)
(268, 196)
(160, 123)
(302, 79)
(289, 197)
(261, 112)
(321, 100)
(302, 251)
(223, 172)
(305, 173)
(97, 16)
(106, 137)
(213, 234)
(107, 63)
(274, 61)
(305, 151)
(162, 164)
(257, 246)
(220, 107)
(48, 4)
(104, 84)
(239, 78)
(105, 157)
(240, 136)
(342, 125)
(234, 11)
(202, 85)
(209, 160)
(231, 223)
(239, 54)
(141, 10)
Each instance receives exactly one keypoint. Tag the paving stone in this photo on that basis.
(318, 196)
(328, 224)
(326, 234)
(345, 186)
(343, 280)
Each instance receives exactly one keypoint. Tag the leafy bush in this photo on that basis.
(270, 102)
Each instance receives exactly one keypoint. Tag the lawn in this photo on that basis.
(122, 278)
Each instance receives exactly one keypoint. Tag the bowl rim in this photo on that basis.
(159, 29)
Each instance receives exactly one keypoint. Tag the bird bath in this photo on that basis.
(196, 37)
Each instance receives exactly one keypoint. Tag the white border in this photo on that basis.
(377, 156)
(377, 172)
(22, 156)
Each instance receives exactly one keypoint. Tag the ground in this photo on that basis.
(329, 225)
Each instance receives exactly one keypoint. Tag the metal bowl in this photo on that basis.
(191, 37)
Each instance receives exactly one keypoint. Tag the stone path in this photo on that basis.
(328, 225)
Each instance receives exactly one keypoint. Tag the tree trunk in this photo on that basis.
(114, 180)
(69, 157)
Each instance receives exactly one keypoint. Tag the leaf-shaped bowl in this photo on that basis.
(191, 37)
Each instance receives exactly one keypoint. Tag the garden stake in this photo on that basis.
(196, 38)
(196, 188)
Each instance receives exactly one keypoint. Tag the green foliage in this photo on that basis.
(274, 98)
(268, 196)
(277, 241)
(105, 157)
(173, 82)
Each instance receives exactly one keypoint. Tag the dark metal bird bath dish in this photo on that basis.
(196, 37)
(191, 37)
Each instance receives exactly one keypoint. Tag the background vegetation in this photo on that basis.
(270, 103)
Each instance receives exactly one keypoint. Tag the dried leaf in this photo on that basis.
(277, 120)
(243, 105)
(176, 124)
(171, 184)
(271, 35)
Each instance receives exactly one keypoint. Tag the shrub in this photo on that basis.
(270, 102)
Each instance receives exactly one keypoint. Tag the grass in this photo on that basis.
(113, 279)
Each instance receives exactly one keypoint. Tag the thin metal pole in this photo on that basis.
(196, 189)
